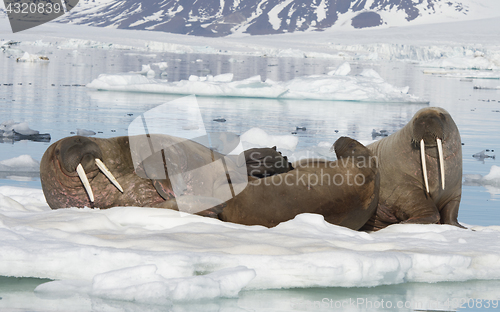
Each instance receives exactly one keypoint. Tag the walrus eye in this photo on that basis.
(85, 181)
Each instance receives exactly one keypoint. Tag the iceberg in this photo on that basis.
(491, 181)
(334, 86)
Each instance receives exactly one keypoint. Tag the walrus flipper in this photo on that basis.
(195, 205)
(265, 162)
(449, 213)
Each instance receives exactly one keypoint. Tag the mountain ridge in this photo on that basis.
(217, 18)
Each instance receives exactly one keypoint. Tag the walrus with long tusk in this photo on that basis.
(420, 172)
(79, 171)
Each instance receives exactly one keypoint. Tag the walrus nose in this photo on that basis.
(80, 153)
(441, 163)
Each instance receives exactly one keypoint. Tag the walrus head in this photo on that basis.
(73, 168)
(428, 130)
(346, 147)
(79, 155)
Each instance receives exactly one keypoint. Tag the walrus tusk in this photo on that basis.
(441, 160)
(424, 165)
(85, 181)
(108, 174)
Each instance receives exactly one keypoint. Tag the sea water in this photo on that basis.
(52, 98)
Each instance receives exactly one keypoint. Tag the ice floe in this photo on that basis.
(23, 163)
(466, 74)
(32, 58)
(476, 65)
(477, 61)
(132, 253)
(16, 131)
(487, 88)
(491, 181)
(335, 86)
(10, 127)
(85, 132)
(256, 137)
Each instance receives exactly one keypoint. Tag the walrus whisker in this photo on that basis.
(108, 174)
(85, 181)
(424, 165)
(441, 160)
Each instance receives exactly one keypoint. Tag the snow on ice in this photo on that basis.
(10, 127)
(367, 86)
(147, 254)
(476, 61)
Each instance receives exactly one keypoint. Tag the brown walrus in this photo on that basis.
(121, 182)
(416, 189)
(344, 191)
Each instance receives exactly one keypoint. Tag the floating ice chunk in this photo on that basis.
(487, 88)
(368, 86)
(85, 132)
(10, 128)
(342, 70)
(32, 58)
(494, 175)
(146, 71)
(161, 65)
(471, 74)
(491, 181)
(143, 284)
(23, 163)
(202, 86)
(233, 60)
(477, 61)
(257, 137)
(224, 77)
(370, 73)
(116, 82)
(24, 129)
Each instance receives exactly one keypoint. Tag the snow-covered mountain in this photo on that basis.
(216, 18)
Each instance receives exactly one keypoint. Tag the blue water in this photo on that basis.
(51, 98)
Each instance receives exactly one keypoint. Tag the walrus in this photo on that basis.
(344, 191)
(92, 172)
(420, 172)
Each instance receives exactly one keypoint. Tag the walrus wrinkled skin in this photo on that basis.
(260, 202)
(404, 196)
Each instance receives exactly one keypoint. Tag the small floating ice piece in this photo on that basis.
(84, 132)
(342, 70)
(23, 163)
(32, 58)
